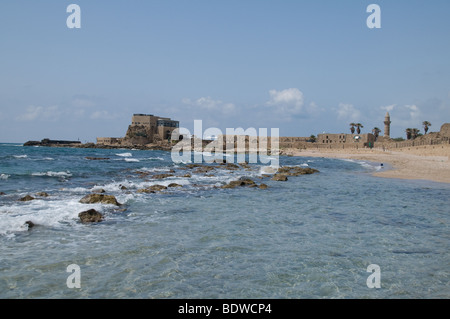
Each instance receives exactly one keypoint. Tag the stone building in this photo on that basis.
(144, 129)
(342, 140)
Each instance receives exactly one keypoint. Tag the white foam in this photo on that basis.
(268, 170)
(125, 154)
(156, 158)
(20, 156)
(49, 159)
(53, 174)
(42, 212)
(131, 160)
(4, 176)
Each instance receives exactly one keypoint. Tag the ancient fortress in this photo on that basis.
(144, 129)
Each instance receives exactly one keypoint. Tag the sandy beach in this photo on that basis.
(422, 163)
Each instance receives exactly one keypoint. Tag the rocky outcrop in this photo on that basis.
(99, 198)
(29, 224)
(152, 189)
(26, 198)
(42, 194)
(243, 181)
(280, 177)
(174, 185)
(296, 170)
(90, 216)
(161, 176)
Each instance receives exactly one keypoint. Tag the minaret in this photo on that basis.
(387, 125)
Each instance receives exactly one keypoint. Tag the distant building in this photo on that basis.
(144, 129)
(334, 140)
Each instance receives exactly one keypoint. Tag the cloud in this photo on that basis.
(388, 108)
(348, 112)
(210, 105)
(33, 113)
(404, 115)
(102, 115)
(287, 102)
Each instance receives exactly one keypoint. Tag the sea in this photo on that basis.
(340, 233)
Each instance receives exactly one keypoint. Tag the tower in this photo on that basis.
(387, 125)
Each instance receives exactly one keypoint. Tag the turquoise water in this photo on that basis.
(310, 237)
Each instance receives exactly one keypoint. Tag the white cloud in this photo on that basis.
(287, 102)
(404, 115)
(208, 104)
(105, 115)
(32, 113)
(348, 112)
(388, 108)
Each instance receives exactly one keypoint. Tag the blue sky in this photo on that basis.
(302, 66)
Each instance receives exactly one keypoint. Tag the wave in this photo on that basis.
(4, 176)
(56, 214)
(125, 154)
(20, 156)
(156, 158)
(131, 160)
(53, 174)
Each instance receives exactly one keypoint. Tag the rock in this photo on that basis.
(97, 158)
(1, 194)
(279, 177)
(29, 223)
(99, 198)
(296, 171)
(26, 198)
(187, 175)
(204, 169)
(152, 189)
(243, 181)
(174, 185)
(123, 187)
(231, 166)
(263, 186)
(90, 216)
(42, 194)
(161, 176)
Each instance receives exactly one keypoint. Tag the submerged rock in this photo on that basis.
(174, 185)
(29, 224)
(280, 177)
(99, 198)
(42, 194)
(243, 181)
(90, 216)
(263, 186)
(152, 189)
(295, 170)
(161, 176)
(26, 198)
(1, 194)
(97, 158)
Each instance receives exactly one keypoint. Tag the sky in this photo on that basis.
(303, 66)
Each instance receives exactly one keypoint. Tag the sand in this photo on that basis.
(419, 163)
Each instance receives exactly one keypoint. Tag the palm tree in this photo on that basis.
(376, 131)
(352, 128)
(359, 126)
(426, 125)
(415, 133)
(408, 133)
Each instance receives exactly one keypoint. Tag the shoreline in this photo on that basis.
(417, 164)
